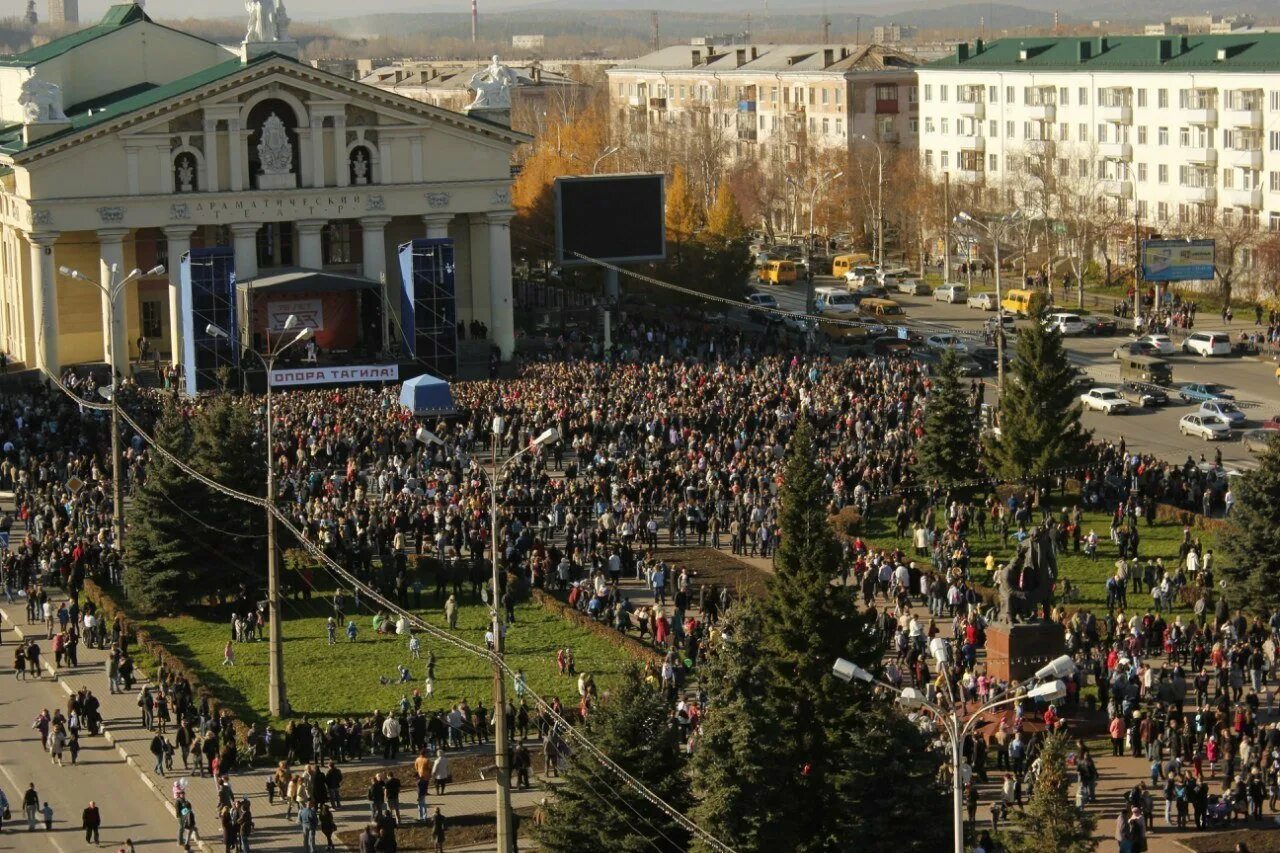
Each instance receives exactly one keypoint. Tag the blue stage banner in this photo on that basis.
(208, 281)
(428, 307)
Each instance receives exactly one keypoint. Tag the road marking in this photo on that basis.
(52, 839)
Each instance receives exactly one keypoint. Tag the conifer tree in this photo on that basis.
(591, 810)
(1051, 820)
(792, 758)
(1040, 430)
(948, 452)
(1253, 544)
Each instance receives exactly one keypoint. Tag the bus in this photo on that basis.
(841, 264)
(777, 272)
(1018, 301)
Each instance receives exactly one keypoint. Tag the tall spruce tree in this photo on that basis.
(1253, 545)
(1040, 429)
(590, 810)
(162, 556)
(792, 758)
(1051, 820)
(948, 452)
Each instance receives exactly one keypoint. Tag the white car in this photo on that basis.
(832, 301)
(861, 275)
(1109, 401)
(1163, 344)
(1224, 409)
(983, 301)
(945, 341)
(951, 292)
(1207, 427)
(1205, 344)
(1065, 324)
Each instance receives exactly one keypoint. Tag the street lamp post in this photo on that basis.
(996, 232)
(956, 730)
(277, 695)
(112, 290)
(505, 829)
(879, 201)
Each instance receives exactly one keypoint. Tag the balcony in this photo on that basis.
(1251, 199)
(746, 106)
(1206, 156)
(971, 109)
(1117, 113)
(887, 136)
(1244, 158)
(886, 106)
(657, 103)
(1118, 189)
(1116, 150)
(971, 143)
(635, 101)
(1206, 115)
(1207, 193)
(747, 134)
(1243, 115)
(1041, 112)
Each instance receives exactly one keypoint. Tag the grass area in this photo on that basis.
(342, 680)
(1161, 539)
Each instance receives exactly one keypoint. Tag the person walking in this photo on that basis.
(91, 820)
(309, 823)
(437, 829)
(327, 825)
(31, 806)
(440, 773)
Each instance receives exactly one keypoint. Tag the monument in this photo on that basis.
(275, 156)
(267, 30)
(492, 86)
(1021, 640)
(42, 114)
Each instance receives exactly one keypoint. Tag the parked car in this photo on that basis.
(1109, 401)
(951, 292)
(1099, 325)
(1146, 396)
(912, 287)
(986, 356)
(757, 301)
(1207, 427)
(982, 301)
(1198, 392)
(835, 301)
(870, 289)
(1257, 440)
(1162, 343)
(1138, 347)
(1224, 409)
(945, 341)
(1272, 422)
(890, 346)
(1206, 344)
(1064, 324)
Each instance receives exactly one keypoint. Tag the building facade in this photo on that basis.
(1187, 129)
(762, 94)
(128, 143)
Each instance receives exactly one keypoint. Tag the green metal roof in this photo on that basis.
(124, 101)
(117, 17)
(1244, 52)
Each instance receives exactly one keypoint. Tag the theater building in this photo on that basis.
(129, 144)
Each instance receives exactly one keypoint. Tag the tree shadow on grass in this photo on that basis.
(212, 680)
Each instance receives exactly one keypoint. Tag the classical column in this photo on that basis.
(502, 327)
(373, 240)
(235, 143)
(478, 268)
(179, 239)
(310, 251)
(341, 171)
(115, 327)
(244, 237)
(437, 225)
(317, 151)
(210, 182)
(44, 300)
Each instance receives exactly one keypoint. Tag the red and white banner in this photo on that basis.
(310, 314)
(317, 375)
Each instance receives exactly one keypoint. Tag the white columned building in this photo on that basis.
(131, 143)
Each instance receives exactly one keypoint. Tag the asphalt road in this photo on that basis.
(129, 809)
(1155, 431)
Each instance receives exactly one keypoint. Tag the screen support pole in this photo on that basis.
(611, 290)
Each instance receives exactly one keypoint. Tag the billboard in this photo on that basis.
(208, 281)
(616, 218)
(1177, 260)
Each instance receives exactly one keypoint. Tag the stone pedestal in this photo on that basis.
(496, 115)
(286, 181)
(1015, 652)
(250, 50)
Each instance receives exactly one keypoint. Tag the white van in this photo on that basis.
(1206, 344)
(951, 293)
(834, 300)
(861, 274)
(1065, 324)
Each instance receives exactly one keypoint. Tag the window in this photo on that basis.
(1142, 171)
(1102, 133)
(1142, 210)
(1026, 130)
(1142, 134)
(1082, 97)
(1274, 177)
(993, 163)
(942, 92)
(840, 96)
(887, 92)
(826, 125)
(1227, 182)
(1273, 140)
(1275, 104)
(946, 126)
(1082, 133)
(1064, 167)
(1274, 222)
(928, 91)
(1064, 131)
(1162, 136)
(993, 95)
(337, 245)
(929, 125)
(928, 158)
(915, 126)
(813, 124)
(1008, 129)
(1082, 168)
(944, 160)
(1162, 99)
(1162, 174)
(1184, 137)
(993, 128)
(1162, 210)
(151, 325)
(1063, 100)
(1009, 97)
(1142, 97)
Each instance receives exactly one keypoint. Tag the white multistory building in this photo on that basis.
(1187, 128)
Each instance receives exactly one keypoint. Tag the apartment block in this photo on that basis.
(783, 94)
(1183, 127)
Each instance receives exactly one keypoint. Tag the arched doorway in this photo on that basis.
(273, 145)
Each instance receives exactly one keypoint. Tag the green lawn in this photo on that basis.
(330, 681)
(1158, 540)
